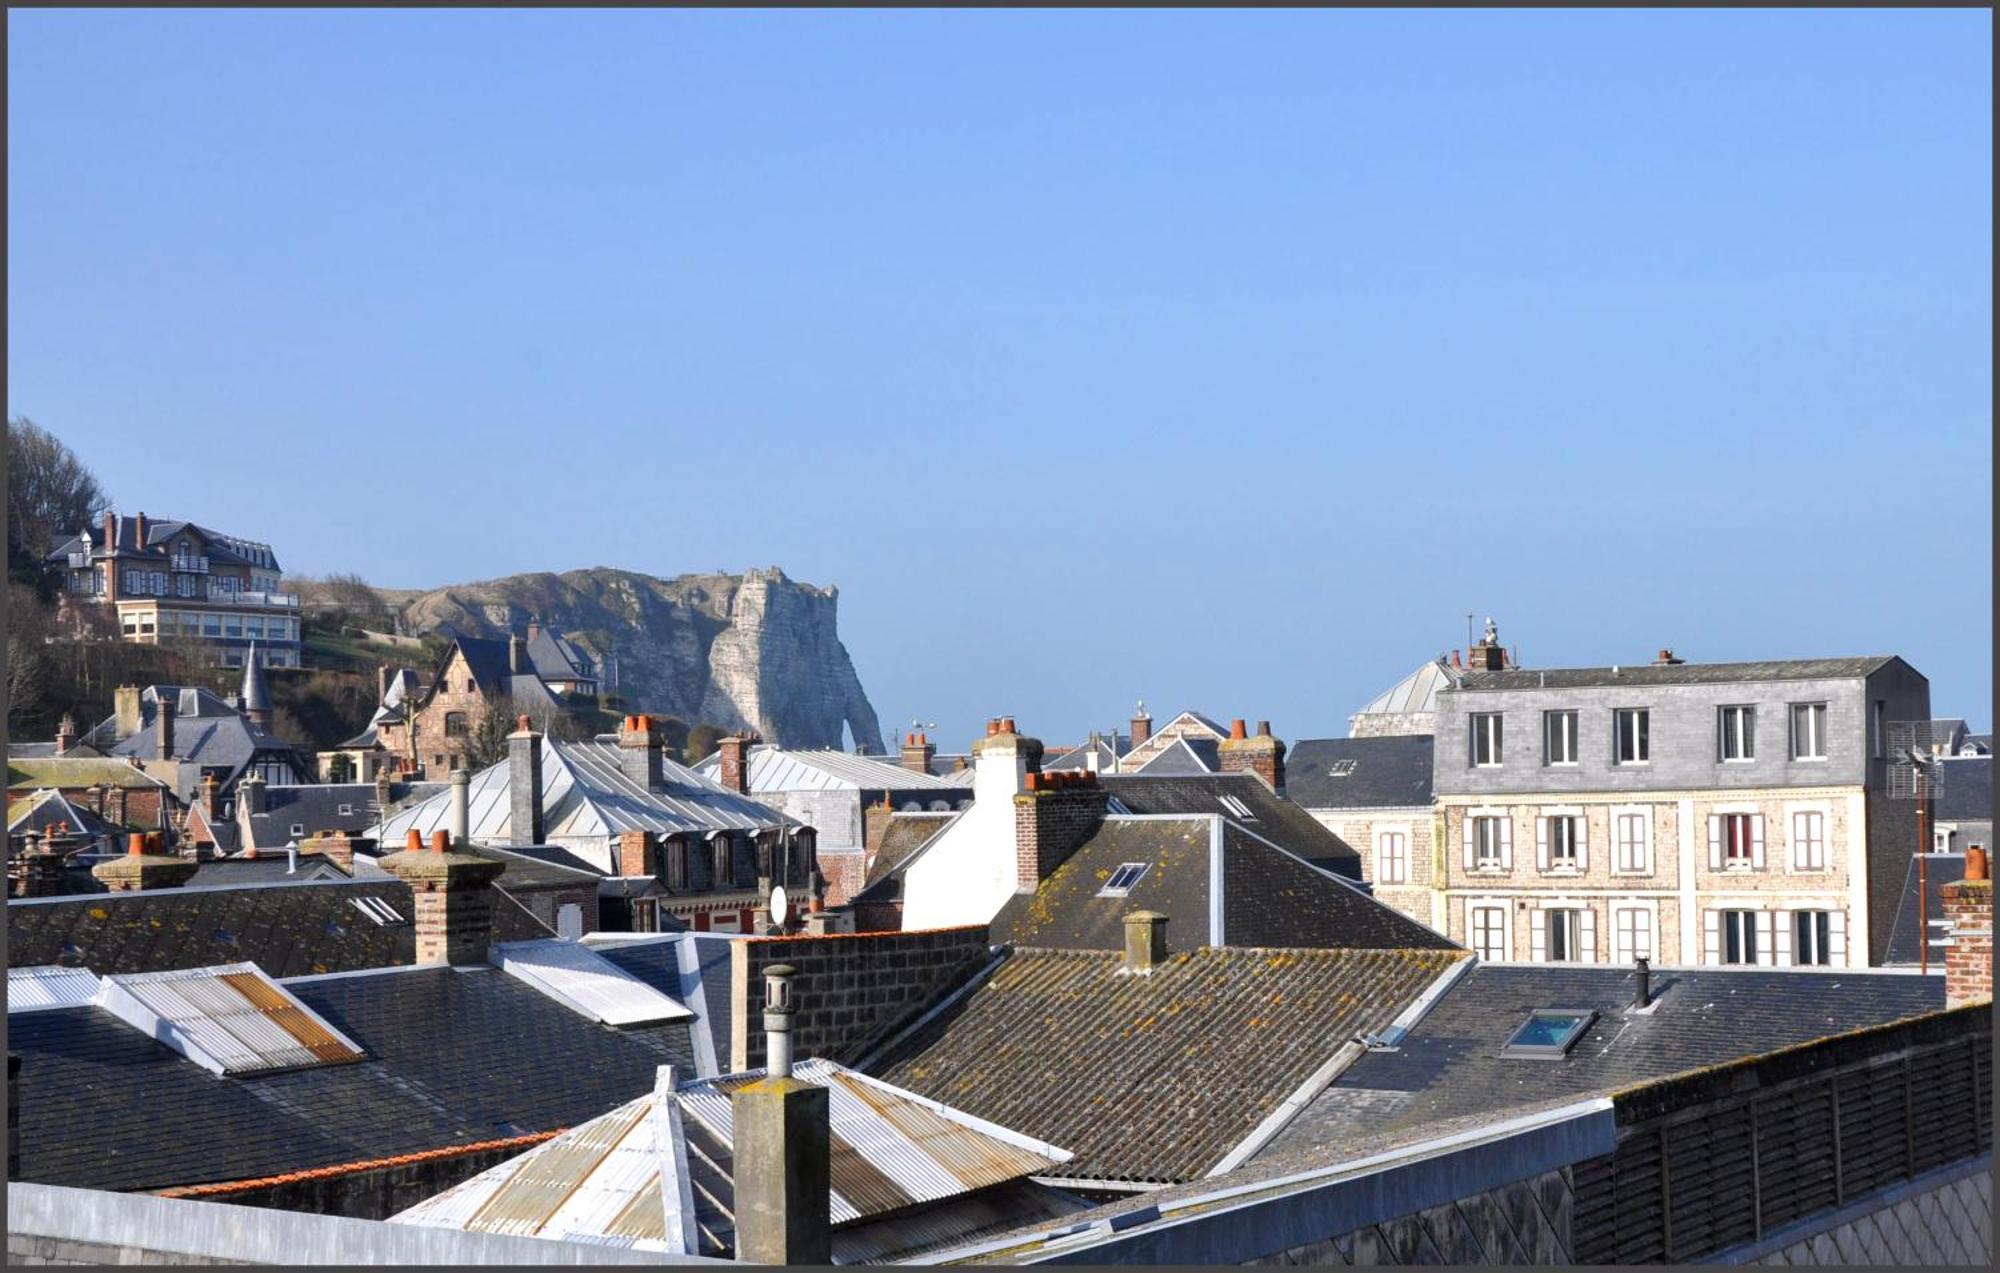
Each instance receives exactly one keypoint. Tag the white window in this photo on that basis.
(1559, 843)
(1735, 840)
(1634, 835)
(1559, 738)
(1809, 731)
(1813, 938)
(1808, 840)
(1489, 932)
(1736, 729)
(1633, 929)
(1564, 935)
(1490, 846)
(1630, 730)
(1392, 857)
(1740, 937)
(1486, 738)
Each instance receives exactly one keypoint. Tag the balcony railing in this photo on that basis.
(190, 565)
(268, 600)
(79, 561)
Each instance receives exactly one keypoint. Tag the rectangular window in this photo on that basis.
(211, 625)
(1812, 934)
(1486, 738)
(1630, 727)
(1486, 835)
(1737, 728)
(1565, 935)
(1392, 858)
(1489, 932)
(1559, 738)
(1808, 840)
(1634, 927)
(1633, 857)
(1876, 711)
(1738, 839)
(1809, 731)
(1739, 937)
(1565, 838)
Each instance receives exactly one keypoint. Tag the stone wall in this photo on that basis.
(438, 753)
(546, 903)
(1418, 895)
(849, 988)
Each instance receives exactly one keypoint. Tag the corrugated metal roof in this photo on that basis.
(821, 769)
(231, 1019)
(581, 979)
(1416, 692)
(48, 986)
(601, 1182)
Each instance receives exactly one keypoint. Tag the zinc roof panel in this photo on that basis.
(579, 977)
(236, 1017)
(49, 986)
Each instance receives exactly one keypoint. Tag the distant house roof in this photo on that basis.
(1415, 694)
(586, 798)
(1151, 1078)
(773, 769)
(905, 834)
(74, 773)
(1674, 673)
(556, 658)
(1388, 771)
(1917, 909)
(1450, 1065)
(270, 868)
(1182, 757)
(208, 732)
(1217, 882)
(1107, 751)
(286, 928)
(1979, 744)
(294, 812)
(894, 1153)
(1964, 789)
(452, 1058)
(41, 810)
(403, 688)
(1261, 810)
(159, 531)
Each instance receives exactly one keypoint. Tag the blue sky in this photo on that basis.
(1223, 359)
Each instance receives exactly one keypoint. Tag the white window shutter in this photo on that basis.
(1541, 844)
(1782, 953)
(1586, 942)
(1714, 841)
(1711, 936)
(1582, 828)
(1469, 835)
(1766, 948)
(1538, 937)
(1757, 841)
(1836, 938)
(1507, 843)
(1646, 842)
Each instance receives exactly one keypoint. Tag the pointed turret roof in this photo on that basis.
(256, 698)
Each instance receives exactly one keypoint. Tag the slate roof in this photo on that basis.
(1673, 673)
(1449, 1066)
(273, 868)
(1981, 743)
(1273, 816)
(314, 807)
(44, 809)
(74, 773)
(288, 929)
(1388, 771)
(1108, 750)
(1155, 1077)
(705, 989)
(453, 1057)
(1183, 757)
(1270, 898)
(1907, 931)
(207, 732)
(545, 867)
(556, 658)
(125, 542)
(905, 834)
(1964, 789)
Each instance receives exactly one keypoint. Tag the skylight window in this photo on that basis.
(231, 1019)
(1237, 807)
(1548, 1033)
(378, 910)
(1123, 879)
(1340, 769)
(346, 810)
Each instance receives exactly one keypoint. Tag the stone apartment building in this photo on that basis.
(1696, 814)
(1374, 792)
(169, 580)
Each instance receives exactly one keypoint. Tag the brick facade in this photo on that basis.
(1052, 819)
(848, 989)
(1968, 962)
(1420, 894)
(441, 740)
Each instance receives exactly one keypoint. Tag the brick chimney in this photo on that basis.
(1263, 755)
(874, 825)
(517, 656)
(111, 558)
(126, 713)
(1489, 655)
(453, 894)
(163, 725)
(1667, 658)
(524, 782)
(336, 847)
(254, 795)
(1053, 817)
(208, 794)
(144, 866)
(734, 771)
(1968, 910)
(42, 865)
(65, 733)
(381, 681)
(385, 790)
(1142, 725)
(139, 531)
(1145, 941)
(640, 750)
(638, 853)
(918, 752)
(781, 1142)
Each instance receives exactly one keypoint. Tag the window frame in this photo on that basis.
(1731, 859)
(1808, 828)
(1738, 926)
(1481, 824)
(1744, 717)
(1642, 736)
(1569, 921)
(1392, 856)
(1500, 927)
(1620, 865)
(1814, 714)
(1568, 717)
(1496, 736)
(1623, 952)
(1812, 933)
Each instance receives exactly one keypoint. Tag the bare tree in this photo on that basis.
(50, 493)
(27, 657)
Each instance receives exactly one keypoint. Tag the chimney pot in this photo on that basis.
(413, 841)
(1975, 863)
(1007, 725)
(1263, 729)
(1642, 974)
(135, 844)
(992, 726)
(440, 841)
(1236, 728)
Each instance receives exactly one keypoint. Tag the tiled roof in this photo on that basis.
(452, 1058)
(1964, 789)
(1389, 771)
(287, 929)
(1272, 816)
(1154, 1077)
(1911, 927)
(1449, 1066)
(75, 773)
(314, 808)
(1672, 673)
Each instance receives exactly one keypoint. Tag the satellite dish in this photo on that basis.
(781, 906)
